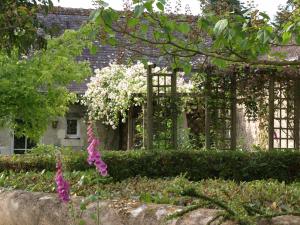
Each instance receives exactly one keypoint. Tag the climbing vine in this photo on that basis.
(115, 88)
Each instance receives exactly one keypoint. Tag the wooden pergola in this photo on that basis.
(283, 88)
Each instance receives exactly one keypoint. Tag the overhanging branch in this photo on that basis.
(193, 52)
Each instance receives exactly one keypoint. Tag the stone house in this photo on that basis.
(70, 131)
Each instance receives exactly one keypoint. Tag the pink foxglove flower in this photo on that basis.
(63, 187)
(94, 155)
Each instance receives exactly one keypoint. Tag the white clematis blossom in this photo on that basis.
(113, 89)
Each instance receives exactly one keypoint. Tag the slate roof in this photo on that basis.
(60, 19)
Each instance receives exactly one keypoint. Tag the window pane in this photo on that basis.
(30, 143)
(19, 142)
(72, 127)
(19, 145)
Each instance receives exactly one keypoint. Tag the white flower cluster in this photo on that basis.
(115, 88)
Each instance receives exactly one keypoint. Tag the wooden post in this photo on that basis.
(144, 125)
(271, 113)
(233, 133)
(149, 107)
(130, 128)
(121, 138)
(207, 112)
(174, 108)
(296, 112)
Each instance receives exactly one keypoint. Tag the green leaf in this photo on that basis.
(203, 24)
(138, 10)
(286, 37)
(144, 28)
(170, 26)
(94, 49)
(187, 68)
(95, 15)
(157, 34)
(83, 206)
(263, 36)
(183, 28)
(162, 1)
(112, 41)
(160, 6)
(102, 3)
(297, 39)
(220, 26)
(109, 16)
(146, 197)
(219, 62)
(264, 15)
(133, 22)
(287, 27)
(148, 6)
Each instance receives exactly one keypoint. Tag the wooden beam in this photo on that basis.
(271, 114)
(150, 107)
(130, 129)
(174, 108)
(207, 112)
(233, 108)
(144, 125)
(296, 112)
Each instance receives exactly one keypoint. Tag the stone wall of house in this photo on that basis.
(56, 135)
(247, 131)
(5, 141)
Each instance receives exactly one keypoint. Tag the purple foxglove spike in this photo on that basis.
(90, 148)
(90, 138)
(90, 133)
(94, 156)
(63, 187)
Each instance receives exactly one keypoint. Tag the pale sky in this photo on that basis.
(269, 6)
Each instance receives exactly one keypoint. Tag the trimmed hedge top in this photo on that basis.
(197, 165)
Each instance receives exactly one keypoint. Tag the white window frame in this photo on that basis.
(14, 150)
(73, 136)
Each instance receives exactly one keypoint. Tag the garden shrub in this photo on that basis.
(197, 165)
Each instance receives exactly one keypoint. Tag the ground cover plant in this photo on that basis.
(243, 197)
(266, 197)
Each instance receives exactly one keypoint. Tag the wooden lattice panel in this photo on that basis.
(221, 113)
(161, 110)
(284, 116)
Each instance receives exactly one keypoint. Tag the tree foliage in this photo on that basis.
(227, 37)
(220, 7)
(19, 24)
(33, 86)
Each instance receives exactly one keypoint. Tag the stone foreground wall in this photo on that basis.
(26, 208)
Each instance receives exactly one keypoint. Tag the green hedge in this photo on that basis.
(197, 165)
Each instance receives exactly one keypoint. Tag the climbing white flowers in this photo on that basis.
(113, 89)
